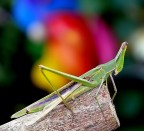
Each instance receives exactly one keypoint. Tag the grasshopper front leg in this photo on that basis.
(114, 86)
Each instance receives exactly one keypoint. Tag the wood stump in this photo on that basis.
(87, 116)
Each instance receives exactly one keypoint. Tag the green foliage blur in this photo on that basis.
(18, 53)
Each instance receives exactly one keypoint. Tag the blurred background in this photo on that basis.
(72, 36)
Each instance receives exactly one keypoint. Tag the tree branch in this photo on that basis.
(87, 116)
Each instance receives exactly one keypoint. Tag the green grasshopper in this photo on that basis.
(79, 85)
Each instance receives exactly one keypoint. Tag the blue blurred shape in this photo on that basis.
(25, 12)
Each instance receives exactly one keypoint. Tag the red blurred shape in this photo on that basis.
(73, 42)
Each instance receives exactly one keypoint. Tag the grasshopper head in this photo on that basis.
(120, 58)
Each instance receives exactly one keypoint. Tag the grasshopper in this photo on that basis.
(79, 85)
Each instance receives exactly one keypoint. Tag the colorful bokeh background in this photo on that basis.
(72, 36)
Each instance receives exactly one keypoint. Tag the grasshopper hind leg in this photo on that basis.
(55, 89)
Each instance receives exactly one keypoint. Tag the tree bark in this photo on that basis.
(87, 116)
